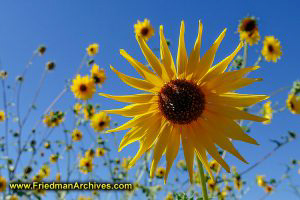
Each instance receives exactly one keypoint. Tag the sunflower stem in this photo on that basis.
(245, 56)
(202, 180)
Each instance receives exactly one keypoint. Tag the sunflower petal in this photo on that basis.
(227, 87)
(166, 55)
(182, 58)
(135, 82)
(188, 150)
(133, 109)
(135, 98)
(172, 150)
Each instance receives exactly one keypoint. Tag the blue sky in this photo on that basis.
(67, 28)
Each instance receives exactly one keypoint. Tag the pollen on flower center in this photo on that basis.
(101, 124)
(181, 101)
(83, 88)
(250, 26)
(145, 31)
(270, 48)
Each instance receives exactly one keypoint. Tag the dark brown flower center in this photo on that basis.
(101, 123)
(271, 48)
(250, 25)
(83, 88)
(181, 101)
(97, 79)
(144, 31)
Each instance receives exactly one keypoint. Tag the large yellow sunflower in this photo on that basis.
(193, 104)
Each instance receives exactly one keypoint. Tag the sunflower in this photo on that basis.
(77, 108)
(53, 158)
(88, 111)
(2, 184)
(144, 29)
(76, 135)
(238, 183)
(160, 172)
(98, 75)
(100, 152)
(125, 163)
(57, 177)
(267, 112)
(37, 178)
(169, 196)
(90, 154)
(92, 49)
(271, 49)
(13, 197)
(2, 116)
(86, 165)
(45, 171)
(53, 119)
(248, 30)
(100, 121)
(193, 104)
(47, 145)
(83, 87)
(261, 181)
(293, 103)
(269, 189)
(211, 184)
(214, 165)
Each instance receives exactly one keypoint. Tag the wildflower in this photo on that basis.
(160, 172)
(100, 152)
(13, 197)
(84, 198)
(214, 165)
(85, 165)
(50, 65)
(125, 163)
(27, 170)
(195, 98)
(144, 29)
(238, 183)
(169, 196)
(271, 49)
(83, 87)
(248, 30)
(57, 177)
(44, 171)
(37, 178)
(269, 189)
(211, 185)
(2, 116)
(261, 181)
(42, 49)
(53, 158)
(3, 74)
(39, 192)
(47, 145)
(2, 184)
(267, 112)
(76, 135)
(98, 75)
(100, 121)
(181, 165)
(90, 153)
(53, 119)
(293, 103)
(88, 111)
(92, 49)
(77, 108)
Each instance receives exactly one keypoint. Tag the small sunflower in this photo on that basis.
(37, 178)
(57, 177)
(169, 196)
(100, 152)
(248, 30)
(2, 116)
(39, 192)
(160, 172)
(77, 108)
(238, 183)
(53, 119)
(267, 112)
(260, 180)
(100, 121)
(98, 75)
(269, 189)
(88, 111)
(144, 29)
(45, 171)
(194, 104)
(13, 197)
(83, 87)
(293, 103)
(53, 158)
(85, 165)
(92, 49)
(47, 145)
(271, 49)
(2, 184)
(125, 163)
(76, 135)
(212, 185)
(181, 165)
(214, 165)
(90, 154)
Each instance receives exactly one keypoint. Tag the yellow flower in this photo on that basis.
(57, 177)
(2, 184)
(90, 153)
(85, 165)
(13, 197)
(160, 172)
(271, 49)
(214, 165)
(169, 196)
(37, 178)
(98, 75)
(181, 165)
(44, 171)
(293, 103)
(53, 158)
(88, 111)
(261, 181)
(47, 145)
(76, 135)
(211, 185)
(39, 192)
(53, 119)
(83, 87)
(193, 104)
(84, 198)
(77, 108)
(125, 163)
(267, 112)
(144, 29)
(248, 30)
(92, 49)
(2, 116)
(100, 152)
(238, 183)
(269, 189)
(100, 121)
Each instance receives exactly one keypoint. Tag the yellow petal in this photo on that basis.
(147, 74)
(188, 150)
(172, 150)
(135, 82)
(160, 147)
(207, 60)
(134, 109)
(195, 54)
(243, 82)
(134, 98)
(182, 58)
(152, 59)
(166, 55)
(221, 66)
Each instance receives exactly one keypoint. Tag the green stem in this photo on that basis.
(202, 180)
(245, 56)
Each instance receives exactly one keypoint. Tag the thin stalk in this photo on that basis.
(202, 180)
(245, 56)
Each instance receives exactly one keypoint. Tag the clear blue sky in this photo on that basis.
(66, 28)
